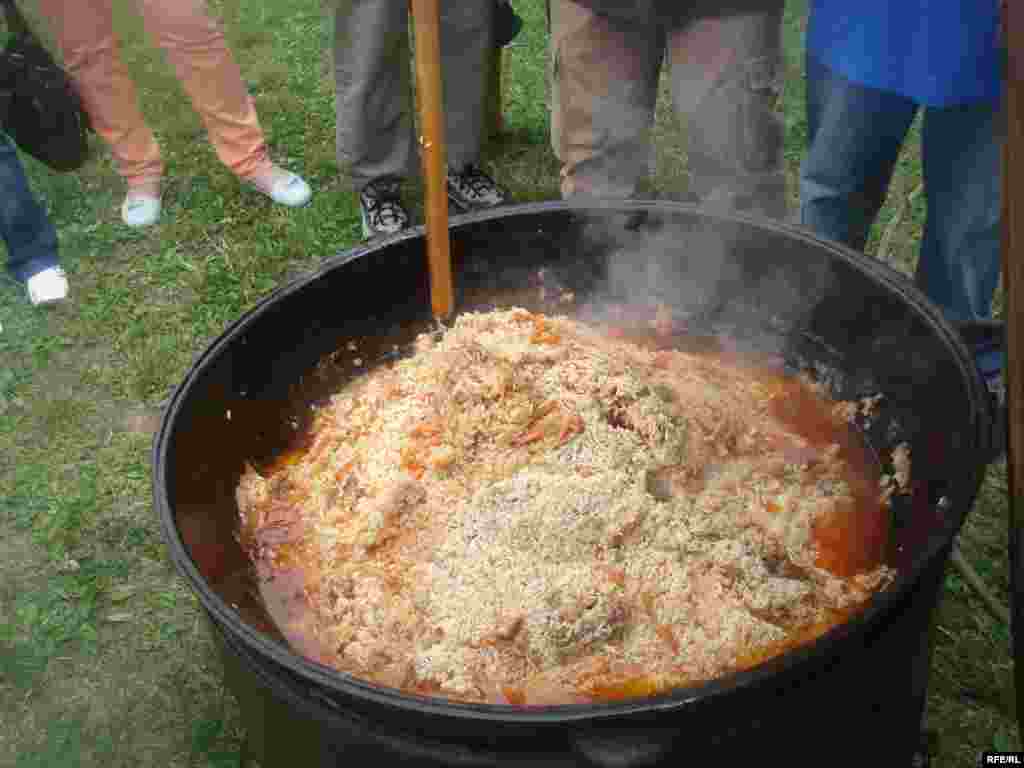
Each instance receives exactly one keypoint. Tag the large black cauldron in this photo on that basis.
(853, 697)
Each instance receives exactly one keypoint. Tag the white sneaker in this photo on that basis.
(47, 287)
(140, 209)
(283, 187)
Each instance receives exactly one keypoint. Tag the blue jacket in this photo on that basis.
(936, 52)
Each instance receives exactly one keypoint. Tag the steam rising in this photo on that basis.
(717, 277)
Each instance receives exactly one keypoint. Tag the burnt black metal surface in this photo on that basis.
(854, 324)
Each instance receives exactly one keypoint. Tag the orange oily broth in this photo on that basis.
(852, 538)
(850, 541)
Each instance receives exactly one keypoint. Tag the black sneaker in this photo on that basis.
(381, 209)
(472, 190)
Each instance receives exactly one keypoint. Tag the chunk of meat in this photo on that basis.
(280, 523)
(572, 425)
(384, 511)
(510, 628)
(253, 490)
(901, 465)
(576, 623)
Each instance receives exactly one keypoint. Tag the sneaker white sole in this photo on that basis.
(292, 191)
(140, 211)
(47, 287)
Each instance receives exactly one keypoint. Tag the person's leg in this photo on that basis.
(196, 49)
(552, 9)
(85, 34)
(467, 48)
(854, 137)
(24, 224)
(959, 264)
(607, 75)
(726, 82)
(28, 233)
(467, 45)
(373, 118)
(374, 135)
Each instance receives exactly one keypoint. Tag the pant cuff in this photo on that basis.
(24, 270)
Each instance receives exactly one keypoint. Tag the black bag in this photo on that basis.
(507, 24)
(39, 107)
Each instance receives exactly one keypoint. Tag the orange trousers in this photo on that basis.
(195, 47)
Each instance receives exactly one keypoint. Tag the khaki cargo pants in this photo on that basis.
(373, 102)
(725, 81)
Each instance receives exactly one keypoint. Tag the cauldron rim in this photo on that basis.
(831, 644)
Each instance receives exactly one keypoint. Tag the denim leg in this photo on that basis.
(854, 138)
(24, 224)
(960, 254)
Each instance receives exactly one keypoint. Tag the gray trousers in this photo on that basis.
(725, 75)
(372, 73)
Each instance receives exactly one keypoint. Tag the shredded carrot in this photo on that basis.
(616, 576)
(542, 334)
(427, 429)
(513, 695)
(635, 687)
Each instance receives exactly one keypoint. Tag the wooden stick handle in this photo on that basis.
(426, 19)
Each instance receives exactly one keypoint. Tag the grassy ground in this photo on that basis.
(103, 656)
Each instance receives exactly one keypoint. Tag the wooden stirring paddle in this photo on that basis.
(426, 16)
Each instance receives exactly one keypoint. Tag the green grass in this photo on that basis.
(104, 660)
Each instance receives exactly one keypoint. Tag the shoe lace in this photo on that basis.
(383, 207)
(474, 181)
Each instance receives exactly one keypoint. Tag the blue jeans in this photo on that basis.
(24, 225)
(855, 134)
